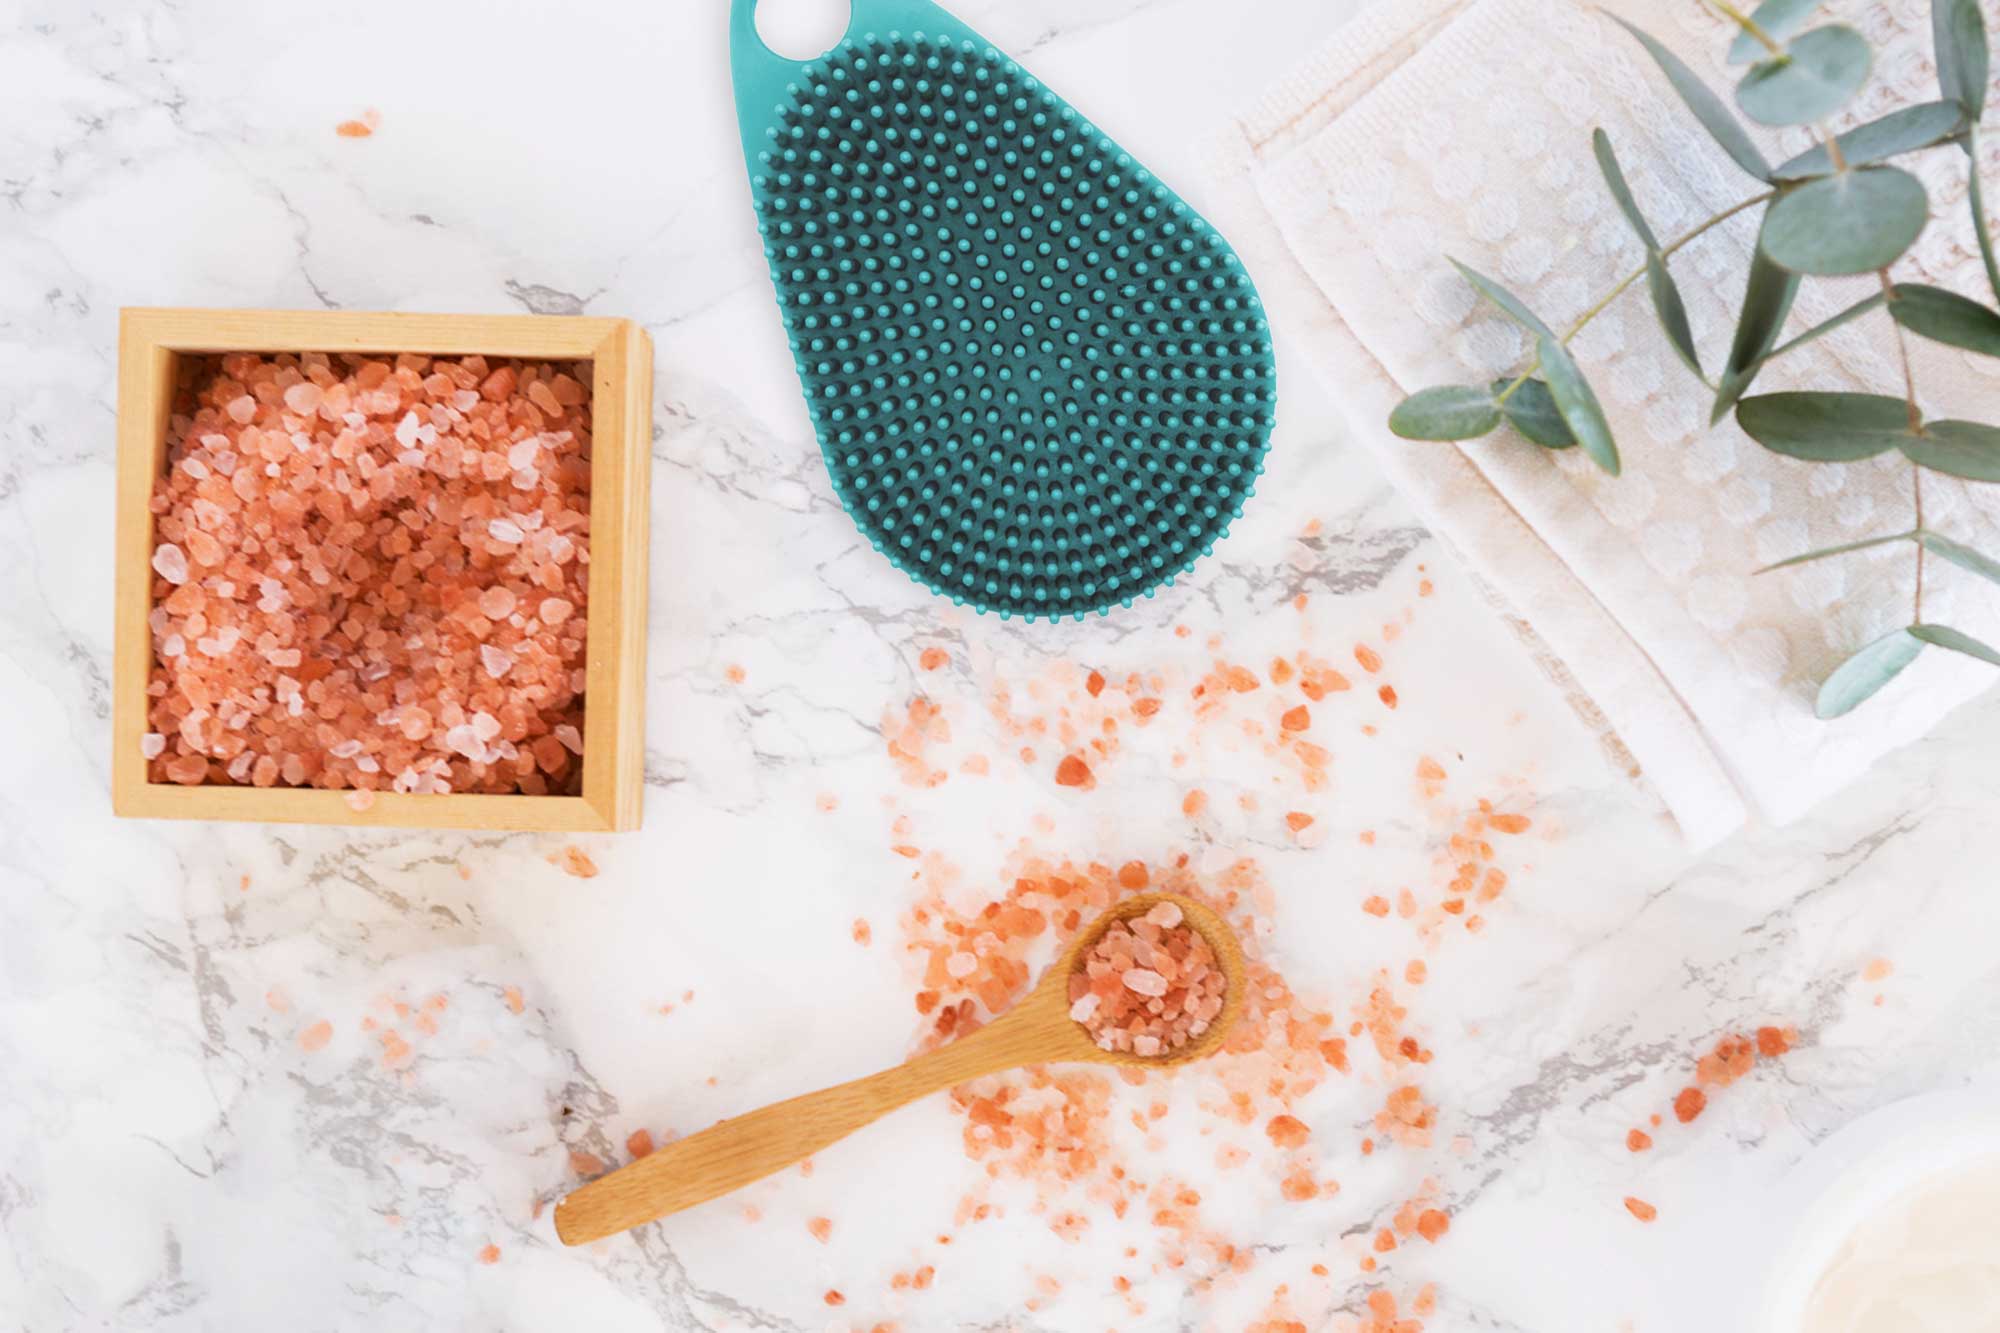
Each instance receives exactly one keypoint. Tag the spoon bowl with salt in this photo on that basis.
(1154, 982)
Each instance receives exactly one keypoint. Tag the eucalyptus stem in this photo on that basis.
(1916, 428)
(1749, 25)
(1625, 282)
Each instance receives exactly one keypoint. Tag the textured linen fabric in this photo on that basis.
(1462, 128)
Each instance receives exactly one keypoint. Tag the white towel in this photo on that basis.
(1462, 127)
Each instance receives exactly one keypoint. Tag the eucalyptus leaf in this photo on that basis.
(1826, 427)
(1818, 73)
(1854, 222)
(1621, 193)
(1532, 410)
(1828, 552)
(1578, 404)
(1450, 412)
(1975, 196)
(1767, 299)
(1958, 31)
(1961, 555)
(1715, 117)
(1672, 311)
(1779, 19)
(1828, 325)
(1946, 317)
(1506, 300)
(1924, 125)
(1944, 636)
(1957, 448)
(1858, 679)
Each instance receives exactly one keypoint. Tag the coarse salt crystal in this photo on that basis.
(522, 453)
(485, 726)
(1085, 1007)
(496, 662)
(1145, 981)
(961, 965)
(571, 738)
(303, 399)
(496, 603)
(555, 610)
(347, 749)
(170, 563)
(1165, 914)
(152, 745)
(505, 530)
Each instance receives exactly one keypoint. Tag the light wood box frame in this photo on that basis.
(150, 341)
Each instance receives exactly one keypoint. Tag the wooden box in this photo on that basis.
(621, 357)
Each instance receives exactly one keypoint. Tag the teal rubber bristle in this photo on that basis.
(1042, 383)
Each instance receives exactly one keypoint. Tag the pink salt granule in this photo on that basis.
(1148, 986)
(372, 574)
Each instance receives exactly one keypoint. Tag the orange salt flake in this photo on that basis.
(1689, 1104)
(1370, 660)
(734, 674)
(1073, 772)
(1241, 679)
(1381, 1304)
(1375, 905)
(1415, 972)
(575, 861)
(1296, 719)
(511, 996)
(1146, 707)
(1385, 1241)
(490, 1254)
(821, 1228)
(827, 802)
(1093, 684)
(277, 1000)
(316, 1036)
(1387, 694)
(833, 1297)
(1430, 770)
(933, 658)
(1877, 969)
(1132, 875)
(1194, 803)
(1433, 1223)
(585, 1163)
(1299, 1187)
(1281, 671)
(1367, 1265)
(1638, 1140)
(1296, 820)
(1640, 1209)
(1773, 1042)
(354, 129)
(861, 932)
(639, 1143)
(1510, 823)
(1287, 1131)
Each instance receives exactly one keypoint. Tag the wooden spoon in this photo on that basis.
(1038, 1030)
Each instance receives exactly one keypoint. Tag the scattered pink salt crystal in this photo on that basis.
(303, 398)
(1145, 981)
(496, 603)
(496, 662)
(241, 409)
(961, 965)
(152, 745)
(505, 530)
(555, 610)
(1165, 914)
(170, 563)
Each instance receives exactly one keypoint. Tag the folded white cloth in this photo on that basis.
(1462, 128)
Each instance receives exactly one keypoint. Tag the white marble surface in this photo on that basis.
(171, 1154)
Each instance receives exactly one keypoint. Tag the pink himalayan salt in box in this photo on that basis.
(337, 608)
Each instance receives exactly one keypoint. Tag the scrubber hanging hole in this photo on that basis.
(802, 29)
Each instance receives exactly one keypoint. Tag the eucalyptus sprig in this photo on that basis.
(1840, 209)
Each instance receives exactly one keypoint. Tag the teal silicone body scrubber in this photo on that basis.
(1042, 383)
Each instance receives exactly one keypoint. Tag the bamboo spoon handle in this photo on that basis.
(735, 1152)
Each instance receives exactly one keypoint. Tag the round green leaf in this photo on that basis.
(1578, 404)
(1819, 71)
(1451, 412)
(1946, 317)
(1958, 448)
(1924, 125)
(1532, 410)
(1826, 427)
(1857, 680)
(1779, 19)
(1944, 636)
(1854, 222)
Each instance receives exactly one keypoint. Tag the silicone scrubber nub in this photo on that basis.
(1042, 383)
